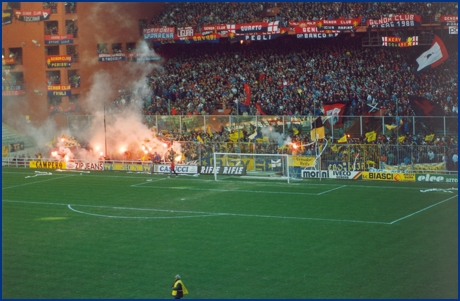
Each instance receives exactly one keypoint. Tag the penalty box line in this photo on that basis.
(203, 214)
(426, 208)
(232, 190)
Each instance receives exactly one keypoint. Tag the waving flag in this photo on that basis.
(247, 90)
(371, 136)
(334, 112)
(343, 139)
(425, 107)
(429, 137)
(317, 129)
(434, 56)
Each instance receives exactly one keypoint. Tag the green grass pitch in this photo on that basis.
(126, 235)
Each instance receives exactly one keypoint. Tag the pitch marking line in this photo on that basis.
(227, 190)
(37, 182)
(332, 189)
(404, 217)
(148, 180)
(200, 213)
(144, 217)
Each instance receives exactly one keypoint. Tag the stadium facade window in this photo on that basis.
(117, 48)
(13, 5)
(52, 50)
(53, 77)
(130, 47)
(71, 27)
(52, 5)
(70, 7)
(73, 51)
(17, 54)
(102, 49)
(51, 28)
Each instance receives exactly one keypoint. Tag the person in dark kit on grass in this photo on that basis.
(178, 288)
(172, 166)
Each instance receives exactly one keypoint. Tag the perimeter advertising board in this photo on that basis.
(437, 178)
(388, 176)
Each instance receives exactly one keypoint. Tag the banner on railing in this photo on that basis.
(58, 39)
(399, 42)
(112, 57)
(7, 16)
(145, 167)
(32, 16)
(449, 20)
(159, 33)
(339, 24)
(402, 20)
(301, 161)
(48, 164)
(58, 61)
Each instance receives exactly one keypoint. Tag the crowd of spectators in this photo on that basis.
(296, 77)
(198, 14)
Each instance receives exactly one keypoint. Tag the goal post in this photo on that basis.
(255, 166)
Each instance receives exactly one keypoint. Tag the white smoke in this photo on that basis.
(106, 132)
(272, 135)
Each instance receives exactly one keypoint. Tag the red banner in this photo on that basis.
(32, 16)
(256, 27)
(406, 20)
(58, 37)
(338, 24)
(9, 61)
(449, 20)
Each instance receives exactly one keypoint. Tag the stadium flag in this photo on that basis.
(295, 131)
(209, 131)
(259, 108)
(317, 129)
(248, 95)
(334, 112)
(434, 56)
(391, 126)
(199, 139)
(343, 139)
(334, 148)
(234, 136)
(429, 137)
(424, 107)
(401, 138)
(371, 136)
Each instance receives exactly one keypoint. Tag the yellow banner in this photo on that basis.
(4, 150)
(51, 165)
(390, 176)
(301, 161)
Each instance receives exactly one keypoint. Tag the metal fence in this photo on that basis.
(343, 157)
(355, 126)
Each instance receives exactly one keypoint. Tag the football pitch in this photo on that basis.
(120, 235)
